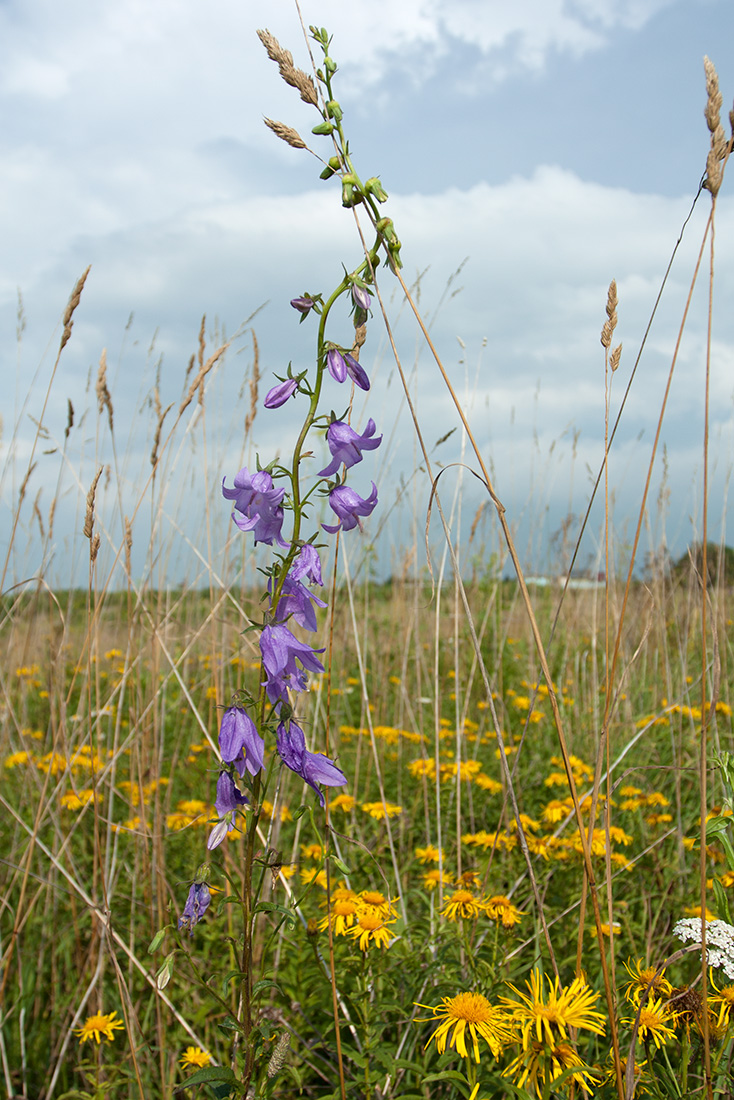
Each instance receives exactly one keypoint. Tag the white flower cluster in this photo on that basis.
(719, 941)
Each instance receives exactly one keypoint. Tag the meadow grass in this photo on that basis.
(530, 772)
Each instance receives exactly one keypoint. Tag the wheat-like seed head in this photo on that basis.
(104, 398)
(712, 113)
(611, 322)
(89, 516)
(615, 357)
(286, 133)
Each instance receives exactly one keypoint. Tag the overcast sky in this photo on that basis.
(538, 148)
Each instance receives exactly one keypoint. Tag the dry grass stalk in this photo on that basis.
(104, 398)
(89, 517)
(611, 322)
(286, 133)
(94, 548)
(254, 381)
(719, 143)
(297, 79)
(128, 546)
(76, 295)
(69, 419)
(201, 375)
(24, 485)
(51, 517)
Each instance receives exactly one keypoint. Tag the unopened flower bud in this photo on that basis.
(334, 111)
(280, 393)
(323, 128)
(374, 187)
(303, 305)
(361, 297)
(330, 64)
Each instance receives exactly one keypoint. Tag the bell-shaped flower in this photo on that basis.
(257, 505)
(360, 297)
(337, 365)
(307, 564)
(239, 742)
(280, 650)
(196, 906)
(312, 767)
(228, 801)
(303, 305)
(296, 602)
(356, 372)
(346, 445)
(280, 393)
(349, 506)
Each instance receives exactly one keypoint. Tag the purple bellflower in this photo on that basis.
(346, 445)
(258, 502)
(280, 393)
(280, 649)
(307, 564)
(296, 601)
(239, 742)
(196, 906)
(303, 305)
(349, 506)
(312, 767)
(337, 365)
(227, 802)
(356, 372)
(360, 297)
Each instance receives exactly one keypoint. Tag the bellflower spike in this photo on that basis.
(356, 372)
(312, 767)
(239, 741)
(196, 906)
(307, 564)
(280, 649)
(303, 305)
(280, 393)
(258, 501)
(349, 506)
(337, 365)
(361, 297)
(296, 601)
(346, 445)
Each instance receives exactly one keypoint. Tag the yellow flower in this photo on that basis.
(722, 1003)
(539, 1062)
(342, 915)
(16, 758)
(371, 927)
(430, 854)
(98, 1026)
(487, 783)
(501, 909)
(311, 851)
(644, 977)
(655, 1019)
(195, 1057)
(431, 879)
(343, 802)
(462, 905)
(380, 810)
(472, 1013)
(73, 800)
(547, 1019)
(311, 874)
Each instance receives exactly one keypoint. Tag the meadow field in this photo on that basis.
(502, 867)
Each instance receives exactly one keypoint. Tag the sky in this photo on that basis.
(531, 152)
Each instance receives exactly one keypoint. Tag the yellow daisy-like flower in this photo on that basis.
(343, 802)
(431, 854)
(644, 977)
(312, 874)
(462, 905)
(432, 879)
(722, 1004)
(371, 928)
(17, 758)
(547, 1018)
(98, 1027)
(540, 1062)
(74, 800)
(381, 810)
(501, 909)
(342, 915)
(311, 851)
(195, 1058)
(655, 1021)
(473, 1014)
(487, 783)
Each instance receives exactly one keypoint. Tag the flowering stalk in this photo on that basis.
(261, 729)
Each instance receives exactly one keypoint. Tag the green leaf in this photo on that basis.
(230, 975)
(208, 1075)
(230, 1024)
(266, 983)
(447, 1075)
(273, 907)
(722, 901)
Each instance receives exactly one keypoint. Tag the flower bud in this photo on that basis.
(334, 111)
(323, 128)
(330, 64)
(280, 393)
(303, 305)
(374, 187)
(361, 297)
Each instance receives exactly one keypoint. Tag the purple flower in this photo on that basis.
(307, 564)
(303, 305)
(312, 767)
(296, 601)
(337, 365)
(349, 506)
(239, 741)
(361, 297)
(356, 372)
(346, 445)
(280, 393)
(228, 797)
(196, 906)
(280, 649)
(259, 502)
